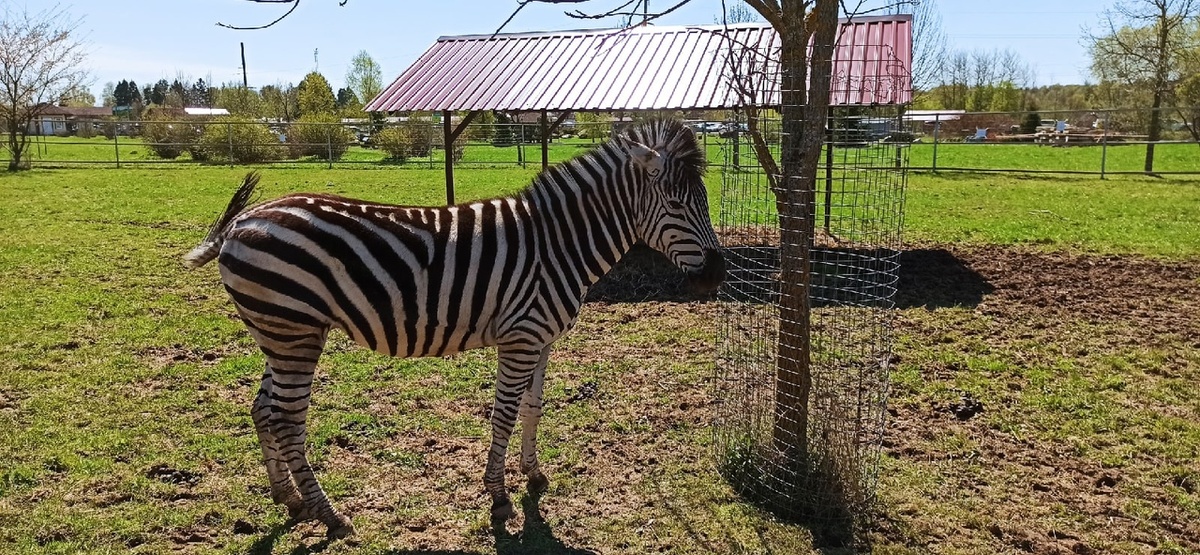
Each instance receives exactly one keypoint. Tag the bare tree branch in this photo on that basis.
(295, 4)
(620, 10)
(40, 60)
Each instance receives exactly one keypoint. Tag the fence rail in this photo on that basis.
(1092, 142)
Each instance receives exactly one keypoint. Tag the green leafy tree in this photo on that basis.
(1139, 46)
(1005, 98)
(158, 93)
(281, 102)
(315, 96)
(108, 95)
(201, 94)
(240, 101)
(364, 77)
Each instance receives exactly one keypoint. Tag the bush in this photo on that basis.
(109, 129)
(168, 138)
(421, 136)
(320, 135)
(394, 141)
(85, 130)
(239, 140)
(1031, 122)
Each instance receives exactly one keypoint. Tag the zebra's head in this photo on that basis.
(673, 215)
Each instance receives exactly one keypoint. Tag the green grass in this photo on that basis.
(1010, 156)
(114, 362)
(1159, 217)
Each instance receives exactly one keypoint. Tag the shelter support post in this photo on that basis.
(828, 175)
(545, 123)
(451, 134)
(449, 142)
(549, 127)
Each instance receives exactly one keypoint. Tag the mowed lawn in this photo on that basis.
(125, 383)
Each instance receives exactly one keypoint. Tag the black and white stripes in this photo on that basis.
(411, 282)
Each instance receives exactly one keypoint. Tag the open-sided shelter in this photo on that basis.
(649, 67)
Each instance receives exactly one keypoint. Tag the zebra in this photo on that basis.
(410, 281)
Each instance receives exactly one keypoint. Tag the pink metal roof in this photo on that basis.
(644, 68)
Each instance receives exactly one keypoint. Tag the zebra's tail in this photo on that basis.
(208, 249)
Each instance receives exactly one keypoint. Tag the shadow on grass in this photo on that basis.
(535, 537)
(828, 538)
(935, 278)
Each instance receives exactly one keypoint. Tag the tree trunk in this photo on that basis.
(1155, 132)
(15, 150)
(804, 112)
(1161, 73)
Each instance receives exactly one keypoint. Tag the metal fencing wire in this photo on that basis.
(852, 265)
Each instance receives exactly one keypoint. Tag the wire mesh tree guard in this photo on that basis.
(805, 333)
(853, 260)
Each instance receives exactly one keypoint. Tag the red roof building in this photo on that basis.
(644, 68)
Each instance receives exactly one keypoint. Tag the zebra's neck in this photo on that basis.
(585, 219)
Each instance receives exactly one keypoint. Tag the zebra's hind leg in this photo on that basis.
(531, 415)
(283, 490)
(291, 362)
(517, 364)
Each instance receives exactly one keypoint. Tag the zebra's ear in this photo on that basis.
(646, 158)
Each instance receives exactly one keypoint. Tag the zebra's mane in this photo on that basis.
(669, 137)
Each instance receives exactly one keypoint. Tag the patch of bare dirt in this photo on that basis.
(1157, 296)
(161, 356)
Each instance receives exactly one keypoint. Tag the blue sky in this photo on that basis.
(149, 41)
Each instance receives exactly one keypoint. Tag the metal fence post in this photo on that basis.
(117, 146)
(328, 146)
(937, 128)
(1104, 149)
(229, 133)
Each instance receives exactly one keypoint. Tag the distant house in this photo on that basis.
(57, 120)
(207, 112)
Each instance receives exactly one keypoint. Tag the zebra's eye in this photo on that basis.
(675, 205)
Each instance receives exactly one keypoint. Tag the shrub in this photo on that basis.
(320, 135)
(459, 149)
(109, 129)
(1031, 122)
(239, 140)
(394, 141)
(168, 138)
(421, 135)
(85, 130)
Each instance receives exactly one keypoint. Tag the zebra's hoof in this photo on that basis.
(342, 529)
(298, 512)
(538, 483)
(502, 509)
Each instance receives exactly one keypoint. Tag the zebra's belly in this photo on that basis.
(428, 340)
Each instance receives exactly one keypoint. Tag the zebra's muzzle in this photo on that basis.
(708, 277)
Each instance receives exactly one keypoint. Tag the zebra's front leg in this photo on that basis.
(531, 415)
(517, 365)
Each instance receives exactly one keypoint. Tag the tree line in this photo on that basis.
(285, 102)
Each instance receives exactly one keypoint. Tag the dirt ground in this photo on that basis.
(627, 405)
(1032, 495)
(1087, 308)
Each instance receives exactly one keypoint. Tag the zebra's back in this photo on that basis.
(404, 281)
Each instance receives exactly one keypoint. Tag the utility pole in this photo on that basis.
(245, 81)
